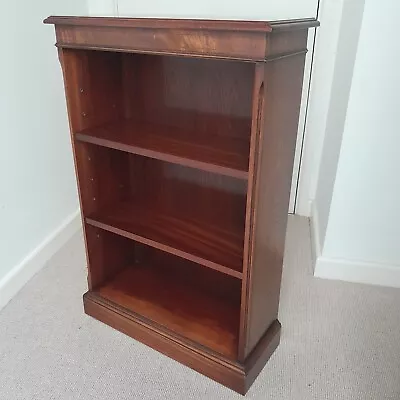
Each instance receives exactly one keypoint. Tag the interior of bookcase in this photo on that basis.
(162, 152)
(196, 303)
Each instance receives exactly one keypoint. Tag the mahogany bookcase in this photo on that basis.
(183, 134)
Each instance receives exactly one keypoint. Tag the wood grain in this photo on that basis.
(241, 40)
(94, 87)
(153, 293)
(108, 254)
(188, 43)
(103, 176)
(194, 214)
(227, 156)
(189, 38)
(195, 95)
(158, 23)
(273, 179)
(210, 245)
(256, 136)
(190, 112)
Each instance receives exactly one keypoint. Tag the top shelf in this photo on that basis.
(223, 155)
(171, 23)
(166, 23)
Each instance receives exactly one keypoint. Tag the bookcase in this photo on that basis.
(183, 133)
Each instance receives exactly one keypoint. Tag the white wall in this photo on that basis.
(326, 48)
(363, 226)
(37, 184)
(209, 9)
(345, 55)
(302, 120)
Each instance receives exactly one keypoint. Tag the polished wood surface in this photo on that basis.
(108, 255)
(103, 176)
(240, 40)
(228, 156)
(196, 303)
(153, 293)
(272, 176)
(194, 214)
(187, 38)
(183, 135)
(258, 101)
(93, 88)
(186, 111)
(209, 245)
(158, 23)
(196, 95)
(234, 375)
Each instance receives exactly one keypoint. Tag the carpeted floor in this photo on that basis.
(340, 341)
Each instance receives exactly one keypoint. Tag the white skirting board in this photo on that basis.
(13, 282)
(349, 270)
(314, 231)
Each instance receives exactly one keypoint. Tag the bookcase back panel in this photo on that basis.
(214, 283)
(196, 194)
(193, 94)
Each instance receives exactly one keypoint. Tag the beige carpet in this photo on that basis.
(340, 341)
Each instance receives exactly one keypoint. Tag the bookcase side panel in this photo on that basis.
(283, 84)
(101, 174)
(258, 95)
(93, 86)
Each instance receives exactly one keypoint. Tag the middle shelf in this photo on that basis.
(213, 246)
(227, 155)
(194, 214)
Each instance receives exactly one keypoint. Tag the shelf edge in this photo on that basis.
(166, 248)
(186, 162)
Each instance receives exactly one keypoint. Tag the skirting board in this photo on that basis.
(314, 232)
(349, 270)
(358, 272)
(13, 282)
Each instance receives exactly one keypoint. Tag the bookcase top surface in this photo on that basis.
(196, 24)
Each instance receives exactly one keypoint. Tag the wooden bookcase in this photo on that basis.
(183, 134)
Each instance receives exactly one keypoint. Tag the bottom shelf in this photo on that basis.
(178, 304)
(236, 375)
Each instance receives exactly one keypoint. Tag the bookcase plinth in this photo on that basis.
(237, 376)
